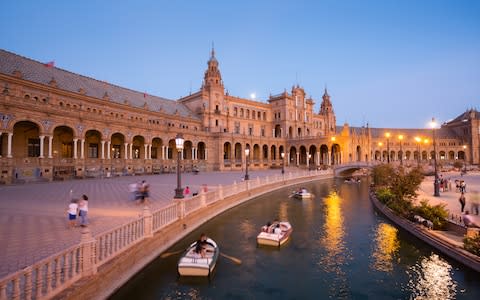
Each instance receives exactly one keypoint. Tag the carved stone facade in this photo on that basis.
(56, 124)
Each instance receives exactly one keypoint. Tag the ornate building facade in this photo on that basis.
(57, 124)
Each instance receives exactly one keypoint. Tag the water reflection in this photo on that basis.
(283, 212)
(333, 244)
(432, 279)
(386, 247)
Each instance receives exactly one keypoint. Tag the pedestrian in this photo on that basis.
(72, 213)
(475, 202)
(144, 191)
(186, 192)
(462, 201)
(83, 210)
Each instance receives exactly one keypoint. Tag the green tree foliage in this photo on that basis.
(404, 186)
(472, 244)
(382, 175)
(436, 213)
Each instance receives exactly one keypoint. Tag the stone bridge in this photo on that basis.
(348, 168)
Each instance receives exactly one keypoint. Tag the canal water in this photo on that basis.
(340, 248)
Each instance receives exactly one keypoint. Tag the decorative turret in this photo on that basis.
(326, 106)
(326, 110)
(212, 77)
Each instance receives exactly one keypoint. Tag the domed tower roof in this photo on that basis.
(326, 105)
(212, 74)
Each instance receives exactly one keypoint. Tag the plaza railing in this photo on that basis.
(50, 276)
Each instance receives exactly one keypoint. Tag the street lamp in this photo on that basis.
(400, 137)
(387, 135)
(465, 159)
(179, 144)
(247, 152)
(418, 140)
(283, 162)
(436, 183)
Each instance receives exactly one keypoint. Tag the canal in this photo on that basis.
(340, 248)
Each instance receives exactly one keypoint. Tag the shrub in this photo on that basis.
(472, 244)
(435, 213)
(384, 195)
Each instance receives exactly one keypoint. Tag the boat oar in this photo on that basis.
(167, 254)
(234, 259)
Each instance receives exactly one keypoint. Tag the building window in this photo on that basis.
(237, 127)
(216, 123)
(250, 129)
(33, 147)
(262, 131)
(92, 151)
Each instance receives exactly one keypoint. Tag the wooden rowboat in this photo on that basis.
(276, 234)
(193, 264)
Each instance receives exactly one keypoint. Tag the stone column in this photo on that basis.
(126, 150)
(50, 146)
(9, 148)
(103, 149)
(42, 138)
(75, 146)
(82, 148)
(131, 151)
(109, 145)
(150, 151)
(145, 147)
(298, 158)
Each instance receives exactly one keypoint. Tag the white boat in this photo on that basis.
(276, 234)
(193, 264)
(302, 194)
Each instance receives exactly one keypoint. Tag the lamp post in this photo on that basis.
(380, 144)
(247, 152)
(283, 162)
(387, 135)
(436, 183)
(464, 159)
(418, 140)
(179, 144)
(309, 156)
(400, 137)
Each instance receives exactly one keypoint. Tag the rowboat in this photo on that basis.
(276, 234)
(193, 264)
(302, 194)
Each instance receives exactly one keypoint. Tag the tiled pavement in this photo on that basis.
(33, 223)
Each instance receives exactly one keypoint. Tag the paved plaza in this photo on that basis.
(33, 221)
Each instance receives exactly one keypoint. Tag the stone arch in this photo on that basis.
(290, 132)
(358, 153)
(227, 151)
(293, 155)
(138, 150)
(336, 157)
(117, 144)
(265, 152)
(461, 155)
(256, 152)
(26, 139)
(323, 154)
(93, 140)
(273, 152)
(157, 148)
(202, 151)
(278, 131)
(303, 155)
(62, 143)
(187, 149)
(451, 155)
(312, 151)
(238, 153)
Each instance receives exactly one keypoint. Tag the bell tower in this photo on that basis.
(326, 110)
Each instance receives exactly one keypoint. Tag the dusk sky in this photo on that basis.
(386, 63)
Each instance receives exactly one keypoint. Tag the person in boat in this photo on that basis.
(266, 227)
(201, 245)
(277, 229)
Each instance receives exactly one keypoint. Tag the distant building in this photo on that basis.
(56, 124)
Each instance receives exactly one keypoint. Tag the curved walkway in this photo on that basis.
(33, 221)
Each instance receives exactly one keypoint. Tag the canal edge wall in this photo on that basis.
(120, 269)
(431, 237)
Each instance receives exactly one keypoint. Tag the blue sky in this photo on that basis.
(388, 63)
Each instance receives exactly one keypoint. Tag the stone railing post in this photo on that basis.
(181, 208)
(203, 200)
(87, 243)
(220, 192)
(147, 222)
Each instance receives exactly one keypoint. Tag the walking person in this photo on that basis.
(186, 192)
(72, 213)
(144, 191)
(83, 210)
(462, 201)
